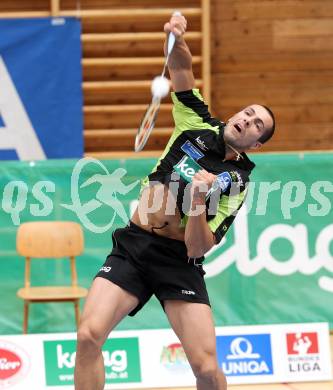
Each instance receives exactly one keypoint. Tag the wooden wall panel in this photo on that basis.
(271, 9)
(315, 115)
(24, 5)
(303, 35)
(278, 53)
(273, 52)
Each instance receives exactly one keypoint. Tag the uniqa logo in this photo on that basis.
(14, 364)
(237, 352)
(224, 180)
(300, 261)
(248, 362)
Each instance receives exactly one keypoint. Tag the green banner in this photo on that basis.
(120, 355)
(274, 266)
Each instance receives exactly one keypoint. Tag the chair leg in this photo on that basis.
(77, 313)
(25, 317)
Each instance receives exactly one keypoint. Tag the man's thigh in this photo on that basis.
(193, 324)
(106, 305)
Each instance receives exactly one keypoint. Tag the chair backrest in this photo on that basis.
(50, 239)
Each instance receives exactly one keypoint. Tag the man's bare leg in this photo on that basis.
(106, 305)
(194, 326)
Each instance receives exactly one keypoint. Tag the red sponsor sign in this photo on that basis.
(10, 363)
(302, 343)
(14, 364)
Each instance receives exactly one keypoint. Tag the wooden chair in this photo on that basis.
(45, 240)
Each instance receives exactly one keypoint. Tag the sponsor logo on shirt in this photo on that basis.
(236, 177)
(224, 180)
(201, 144)
(187, 168)
(192, 151)
(188, 292)
(106, 269)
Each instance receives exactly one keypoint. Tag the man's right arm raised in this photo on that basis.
(180, 60)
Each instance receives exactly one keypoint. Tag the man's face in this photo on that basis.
(243, 130)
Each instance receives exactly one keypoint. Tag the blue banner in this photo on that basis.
(244, 355)
(40, 89)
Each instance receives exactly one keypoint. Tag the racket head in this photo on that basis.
(147, 125)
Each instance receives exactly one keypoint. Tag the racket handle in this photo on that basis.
(172, 38)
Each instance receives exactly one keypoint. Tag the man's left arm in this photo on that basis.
(198, 235)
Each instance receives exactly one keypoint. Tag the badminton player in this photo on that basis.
(186, 206)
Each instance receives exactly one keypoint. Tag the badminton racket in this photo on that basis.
(149, 118)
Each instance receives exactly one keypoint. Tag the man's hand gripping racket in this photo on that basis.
(160, 88)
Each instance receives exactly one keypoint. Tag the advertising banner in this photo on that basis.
(155, 358)
(275, 264)
(121, 361)
(275, 353)
(40, 89)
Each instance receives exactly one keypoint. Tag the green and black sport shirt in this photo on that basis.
(198, 139)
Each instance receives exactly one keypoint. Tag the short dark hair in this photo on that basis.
(269, 132)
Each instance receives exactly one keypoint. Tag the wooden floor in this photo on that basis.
(283, 386)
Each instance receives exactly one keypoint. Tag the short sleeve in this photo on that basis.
(191, 113)
(227, 209)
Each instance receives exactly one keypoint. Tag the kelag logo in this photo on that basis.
(245, 355)
(187, 168)
(121, 361)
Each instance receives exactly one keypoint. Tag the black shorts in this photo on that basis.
(145, 263)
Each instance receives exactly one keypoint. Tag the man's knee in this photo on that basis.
(206, 369)
(88, 338)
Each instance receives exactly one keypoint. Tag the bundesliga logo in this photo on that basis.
(302, 343)
(303, 352)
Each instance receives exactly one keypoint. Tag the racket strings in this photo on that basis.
(147, 124)
(149, 118)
